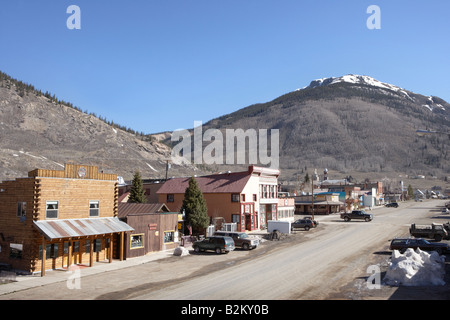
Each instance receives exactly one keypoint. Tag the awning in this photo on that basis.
(72, 228)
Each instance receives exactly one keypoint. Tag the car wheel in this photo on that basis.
(346, 219)
(367, 219)
(196, 249)
(307, 228)
(438, 237)
(218, 250)
(245, 246)
(439, 251)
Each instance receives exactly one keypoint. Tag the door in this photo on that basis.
(248, 222)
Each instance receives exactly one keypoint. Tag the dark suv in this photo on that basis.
(392, 205)
(218, 244)
(241, 239)
(304, 223)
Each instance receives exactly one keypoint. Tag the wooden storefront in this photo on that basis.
(155, 228)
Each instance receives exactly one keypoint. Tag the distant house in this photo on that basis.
(155, 228)
(324, 203)
(248, 198)
(150, 186)
(286, 209)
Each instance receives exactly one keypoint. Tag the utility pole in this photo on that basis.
(312, 193)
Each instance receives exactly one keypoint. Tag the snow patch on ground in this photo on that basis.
(151, 167)
(416, 268)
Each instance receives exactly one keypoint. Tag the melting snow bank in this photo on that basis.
(416, 268)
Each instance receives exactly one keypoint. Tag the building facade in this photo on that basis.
(55, 218)
(155, 228)
(248, 198)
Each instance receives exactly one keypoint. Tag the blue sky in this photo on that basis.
(159, 65)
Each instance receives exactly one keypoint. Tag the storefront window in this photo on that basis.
(137, 241)
(168, 236)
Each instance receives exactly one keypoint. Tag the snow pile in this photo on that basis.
(180, 251)
(416, 268)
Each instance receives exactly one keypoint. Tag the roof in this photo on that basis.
(233, 182)
(127, 209)
(72, 228)
(332, 203)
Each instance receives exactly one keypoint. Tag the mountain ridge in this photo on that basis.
(40, 131)
(348, 124)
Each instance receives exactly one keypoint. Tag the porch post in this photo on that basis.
(121, 245)
(110, 248)
(44, 255)
(69, 261)
(91, 252)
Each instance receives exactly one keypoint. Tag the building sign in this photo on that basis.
(82, 172)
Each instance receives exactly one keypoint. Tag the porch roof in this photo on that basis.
(72, 228)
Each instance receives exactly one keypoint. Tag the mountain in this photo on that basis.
(347, 124)
(352, 124)
(39, 131)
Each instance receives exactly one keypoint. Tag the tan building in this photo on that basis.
(248, 198)
(55, 218)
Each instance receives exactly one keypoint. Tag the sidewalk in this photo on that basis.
(23, 282)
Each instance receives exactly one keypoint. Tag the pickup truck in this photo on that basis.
(357, 214)
(403, 244)
(433, 231)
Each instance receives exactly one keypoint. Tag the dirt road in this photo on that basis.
(323, 263)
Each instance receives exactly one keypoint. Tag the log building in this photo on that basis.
(55, 218)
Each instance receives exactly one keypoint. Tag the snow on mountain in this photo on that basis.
(355, 79)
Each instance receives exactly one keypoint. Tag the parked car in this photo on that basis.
(218, 244)
(392, 205)
(422, 244)
(445, 210)
(434, 231)
(357, 214)
(241, 239)
(304, 223)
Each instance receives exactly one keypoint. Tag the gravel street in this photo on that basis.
(328, 262)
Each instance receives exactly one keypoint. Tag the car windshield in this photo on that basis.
(243, 235)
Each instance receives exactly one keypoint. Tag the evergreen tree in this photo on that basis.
(195, 209)
(137, 194)
(410, 192)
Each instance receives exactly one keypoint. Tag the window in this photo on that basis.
(168, 236)
(21, 209)
(15, 250)
(94, 208)
(243, 197)
(170, 198)
(235, 197)
(88, 246)
(136, 241)
(52, 210)
(98, 245)
(235, 218)
(255, 198)
(51, 251)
